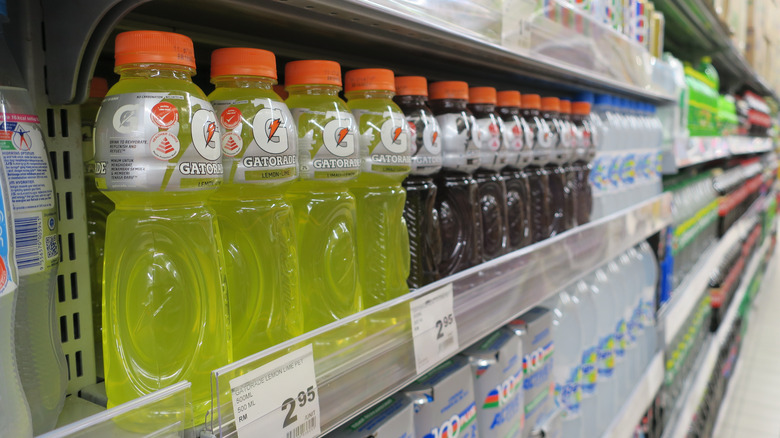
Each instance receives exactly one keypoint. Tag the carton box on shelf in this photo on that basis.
(444, 402)
(392, 418)
(736, 18)
(497, 368)
(535, 330)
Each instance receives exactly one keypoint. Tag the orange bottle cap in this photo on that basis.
(153, 47)
(551, 104)
(369, 79)
(312, 72)
(508, 98)
(482, 95)
(565, 106)
(98, 87)
(279, 89)
(531, 101)
(240, 61)
(581, 108)
(411, 86)
(449, 90)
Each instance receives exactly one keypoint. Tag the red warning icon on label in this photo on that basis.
(164, 114)
(231, 117)
(164, 145)
(231, 144)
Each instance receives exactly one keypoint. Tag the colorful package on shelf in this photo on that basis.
(702, 103)
(755, 115)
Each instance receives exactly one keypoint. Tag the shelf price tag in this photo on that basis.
(434, 330)
(278, 399)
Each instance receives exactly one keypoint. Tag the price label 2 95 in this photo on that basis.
(434, 331)
(279, 398)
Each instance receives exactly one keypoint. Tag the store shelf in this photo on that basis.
(356, 33)
(672, 316)
(699, 150)
(693, 30)
(688, 403)
(485, 298)
(624, 424)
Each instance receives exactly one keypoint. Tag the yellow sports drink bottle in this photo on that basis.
(259, 154)
(158, 157)
(328, 158)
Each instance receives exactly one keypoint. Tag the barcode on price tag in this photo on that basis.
(434, 330)
(278, 399)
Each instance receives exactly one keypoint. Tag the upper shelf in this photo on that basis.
(361, 33)
(693, 30)
(697, 150)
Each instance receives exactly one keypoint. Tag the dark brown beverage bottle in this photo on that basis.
(538, 176)
(551, 107)
(584, 153)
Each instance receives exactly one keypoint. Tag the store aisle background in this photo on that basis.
(752, 405)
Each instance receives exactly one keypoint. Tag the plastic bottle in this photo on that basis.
(456, 199)
(599, 177)
(422, 218)
(567, 370)
(628, 300)
(325, 210)
(584, 154)
(98, 209)
(636, 327)
(256, 226)
(538, 176)
(622, 365)
(39, 357)
(382, 236)
(568, 141)
(493, 156)
(606, 387)
(589, 314)
(519, 138)
(559, 192)
(166, 313)
(15, 413)
(650, 267)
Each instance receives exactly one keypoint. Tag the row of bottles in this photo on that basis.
(604, 332)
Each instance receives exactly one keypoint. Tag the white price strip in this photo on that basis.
(433, 328)
(279, 399)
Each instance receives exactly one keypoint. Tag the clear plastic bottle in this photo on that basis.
(382, 235)
(325, 210)
(519, 136)
(39, 357)
(628, 299)
(603, 289)
(256, 226)
(619, 297)
(493, 156)
(422, 218)
(457, 196)
(166, 315)
(651, 270)
(567, 370)
(589, 316)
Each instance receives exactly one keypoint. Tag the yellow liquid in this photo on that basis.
(165, 315)
(257, 230)
(382, 237)
(325, 226)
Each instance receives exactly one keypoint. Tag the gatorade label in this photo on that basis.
(606, 352)
(590, 371)
(259, 141)
(568, 394)
(157, 142)
(546, 139)
(32, 193)
(384, 142)
(425, 144)
(492, 153)
(519, 138)
(459, 132)
(328, 146)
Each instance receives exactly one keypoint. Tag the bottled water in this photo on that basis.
(589, 315)
(567, 371)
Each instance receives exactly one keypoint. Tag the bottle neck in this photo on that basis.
(529, 112)
(508, 111)
(155, 71)
(410, 102)
(256, 82)
(444, 106)
(369, 94)
(313, 90)
(481, 109)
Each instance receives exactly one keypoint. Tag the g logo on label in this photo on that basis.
(431, 137)
(394, 135)
(339, 137)
(270, 130)
(125, 119)
(205, 134)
